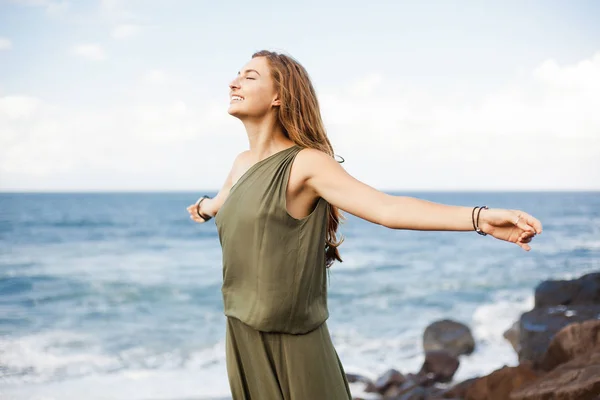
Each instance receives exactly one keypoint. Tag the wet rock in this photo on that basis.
(572, 341)
(582, 291)
(439, 366)
(416, 393)
(353, 378)
(500, 383)
(538, 327)
(458, 391)
(451, 336)
(390, 378)
(578, 379)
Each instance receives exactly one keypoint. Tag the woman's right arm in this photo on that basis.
(212, 206)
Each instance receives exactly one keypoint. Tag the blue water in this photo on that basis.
(117, 295)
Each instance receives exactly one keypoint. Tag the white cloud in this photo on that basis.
(52, 7)
(542, 132)
(5, 44)
(155, 76)
(18, 107)
(90, 51)
(124, 31)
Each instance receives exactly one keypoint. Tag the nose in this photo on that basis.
(235, 83)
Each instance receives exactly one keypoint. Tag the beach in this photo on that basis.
(117, 295)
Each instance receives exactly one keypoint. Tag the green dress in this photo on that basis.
(278, 346)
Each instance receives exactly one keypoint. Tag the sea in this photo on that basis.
(117, 295)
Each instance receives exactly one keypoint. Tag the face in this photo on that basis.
(252, 93)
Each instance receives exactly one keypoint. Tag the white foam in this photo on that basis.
(489, 323)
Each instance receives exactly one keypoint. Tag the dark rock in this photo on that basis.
(578, 379)
(439, 366)
(417, 393)
(457, 391)
(582, 291)
(389, 378)
(538, 326)
(572, 341)
(500, 383)
(369, 385)
(454, 337)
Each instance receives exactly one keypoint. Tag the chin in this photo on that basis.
(234, 110)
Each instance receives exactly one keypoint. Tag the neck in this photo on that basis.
(266, 137)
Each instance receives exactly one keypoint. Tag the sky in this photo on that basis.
(132, 95)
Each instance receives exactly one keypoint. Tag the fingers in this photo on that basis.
(524, 246)
(527, 223)
(194, 215)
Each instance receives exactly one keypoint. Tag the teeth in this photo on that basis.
(238, 98)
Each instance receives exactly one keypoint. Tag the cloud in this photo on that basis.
(52, 7)
(90, 51)
(18, 107)
(155, 76)
(540, 132)
(5, 44)
(124, 31)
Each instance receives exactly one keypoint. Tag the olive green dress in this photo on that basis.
(274, 290)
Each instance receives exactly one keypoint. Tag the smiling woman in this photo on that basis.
(277, 217)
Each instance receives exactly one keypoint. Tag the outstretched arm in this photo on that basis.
(212, 206)
(329, 180)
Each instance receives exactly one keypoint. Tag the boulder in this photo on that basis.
(538, 327)
(390, 378)
(454, 337)
(572, 341)
(582, 291)
(578, 379)
(439, 366)
(500, 383)
(458, 391)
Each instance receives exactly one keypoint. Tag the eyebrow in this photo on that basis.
(250, 70)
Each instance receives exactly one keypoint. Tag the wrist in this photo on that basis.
(203, 208)
(478, 218)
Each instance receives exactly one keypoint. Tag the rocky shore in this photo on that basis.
(558, 347)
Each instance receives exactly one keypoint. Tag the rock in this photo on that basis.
(369, 385)
(582, 291)
(458, 391)
(538, 326)
(353, 378)
(439, 366)
(512, 334)
(417, 393)
(572, 341)
(578, 379)
(389, 378)
(452, 336)
(500, 383)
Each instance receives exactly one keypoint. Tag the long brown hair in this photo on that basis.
(300, 118)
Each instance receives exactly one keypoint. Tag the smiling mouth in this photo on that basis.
(237, 98)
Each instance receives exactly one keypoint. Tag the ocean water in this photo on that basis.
(117, 295)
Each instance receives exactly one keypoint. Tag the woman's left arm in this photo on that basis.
(329, 180)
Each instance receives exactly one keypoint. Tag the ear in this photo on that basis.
(276, 102)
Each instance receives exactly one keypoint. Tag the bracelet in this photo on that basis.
(477, 228)
(200, 200)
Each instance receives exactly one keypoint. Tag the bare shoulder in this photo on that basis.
(312, 161)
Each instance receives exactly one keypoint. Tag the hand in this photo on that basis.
(194, 214)
(510, 225)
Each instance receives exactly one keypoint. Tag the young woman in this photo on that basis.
(277, 215)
